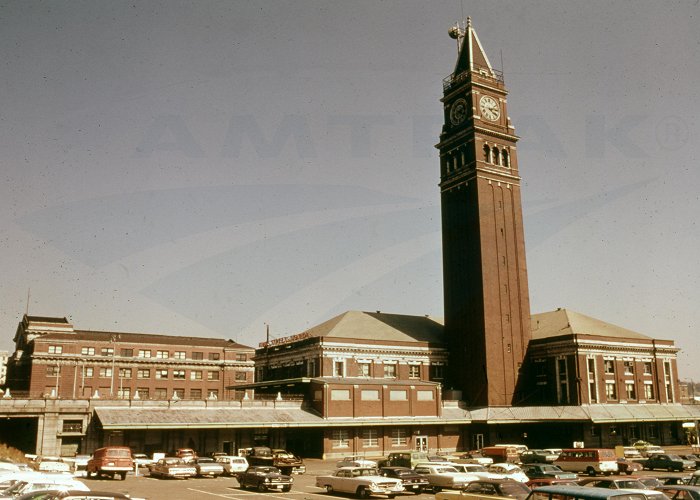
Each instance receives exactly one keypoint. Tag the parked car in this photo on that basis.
(186, 454)
(631, 453)
(233, 465)
(695, 458)
(592, 461)
(80, 495)
(360, 481)
(404, 459)
(444, 476)
(548, 481)
(613, 483)
(173, 467)
(673, 480)
(511, 471)
(287, 462)
(649, 482)
(45, 482)
(475, 457)
(410, 479)
(110, 461)
(538, 471)
(207, 467)
(625, 466)
(51, 464)
(537, 457)
(142, 460)
(355, 461)
(480, 471)
(668, 462)
(681, 492)
(264, 478)
(498, 488)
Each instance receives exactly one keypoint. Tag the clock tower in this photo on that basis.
(487, 307)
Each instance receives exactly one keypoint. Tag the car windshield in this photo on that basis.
(514, 489)
(205, 460)
(442, 470)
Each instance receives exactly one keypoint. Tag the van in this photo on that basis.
(501, 454)
(592, 461)
(586, 493)
(110, 461)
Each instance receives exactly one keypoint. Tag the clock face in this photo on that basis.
(489, 108)
(458, 111)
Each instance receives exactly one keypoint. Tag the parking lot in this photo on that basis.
(143, 486)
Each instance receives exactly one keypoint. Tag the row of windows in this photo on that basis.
(364, 369)
(145, 393)
(496, 156)
(628, 366)
(373, 395)
(145, 373)
(340, 438)
(146, 353)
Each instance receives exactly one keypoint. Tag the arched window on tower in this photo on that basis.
(505, 159)
(487, 153)
(496, 156)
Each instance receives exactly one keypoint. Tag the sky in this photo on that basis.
(210, 168)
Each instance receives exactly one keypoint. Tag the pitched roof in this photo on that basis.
(380, 326)
(564, 322)
(471, 53)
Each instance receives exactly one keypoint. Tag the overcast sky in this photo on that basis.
(204, 168)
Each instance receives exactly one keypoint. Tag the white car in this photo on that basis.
(444, 476)
(480, 471)
(52, 464)
(511, 471)
(360, 481)
(59, 482)
(233, 465)
(356, 462)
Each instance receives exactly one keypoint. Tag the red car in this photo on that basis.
(628, 467)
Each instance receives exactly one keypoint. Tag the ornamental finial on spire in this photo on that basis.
(469, 22)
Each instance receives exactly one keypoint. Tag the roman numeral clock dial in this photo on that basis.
(489, 108)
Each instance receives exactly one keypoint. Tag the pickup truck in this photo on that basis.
(360, 481)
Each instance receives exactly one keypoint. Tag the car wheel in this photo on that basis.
(418, 491)
(362, 492)
(437, 489)
(629, 472)
(261, 488)
(391, 495)
(329, 488)
(287, 488)
(122, 476)
(590, 471)
(670, 469)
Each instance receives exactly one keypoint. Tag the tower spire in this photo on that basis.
(472, 56)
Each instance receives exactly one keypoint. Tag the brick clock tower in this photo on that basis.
(487, 307)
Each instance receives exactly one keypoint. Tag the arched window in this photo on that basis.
(487, 153)
(496, 156)
(505, 160)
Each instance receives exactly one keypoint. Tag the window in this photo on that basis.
(390, 371)
(414, 371)
(667, 380)
(340, 395)
(340, 438)
(127, 353)
(179, 374)
(647, 368)
(213, 394)
(162, 354)
(436, 372)
(648, 391)
(73, 426)
(495, 153)
(125, 372)
(505, 158)
(124, 393)
(107, 351)
(370, 438)
(212, 375)
(142, 392)
(338, 368)
(52, 371)
(369, 395)
(178, 393)
(180, 355)
(87, 351)
(487, 153)
(629, 367)
(197, 355)
(609, 366)
(398, 395)
(240, 377)
(214, 356)
(196, 375)
(105, 372)
(364, 369)
(241, 356)
(143, 373)
(55, 349)
(610, 390)
(89, 371)
(563, 381)
(424, 395)
(592, 388)
(161, 374)
(144, 353)
(195, 393)
(160, 393)
(399, 437)
(630, 390)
